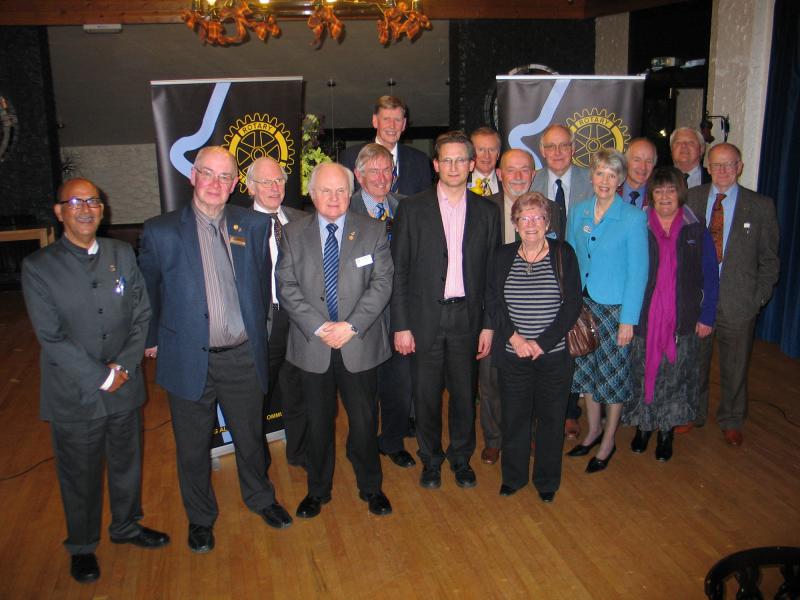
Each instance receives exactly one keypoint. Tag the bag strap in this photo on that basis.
(559, 271)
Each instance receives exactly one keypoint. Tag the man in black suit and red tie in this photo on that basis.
(443, 241)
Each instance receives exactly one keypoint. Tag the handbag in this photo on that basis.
(583, 338)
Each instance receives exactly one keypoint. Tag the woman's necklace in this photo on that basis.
(529, 263)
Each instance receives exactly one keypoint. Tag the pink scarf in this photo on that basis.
(662, 315)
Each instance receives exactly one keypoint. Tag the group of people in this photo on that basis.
(395, 288)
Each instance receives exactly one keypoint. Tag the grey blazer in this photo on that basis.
(357, 203)
(292, 214)
(363, 292)
(580, 188)
(499, 199)
(83, 320)
(750, 265)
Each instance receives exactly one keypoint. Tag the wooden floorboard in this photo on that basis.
(641, 529)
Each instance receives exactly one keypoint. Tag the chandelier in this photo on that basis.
(210, 18)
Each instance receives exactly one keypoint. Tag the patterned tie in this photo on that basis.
(380, 211)
(485, 187)
(717, 226)
(277, 228)
(560, 197)
(633, 196)
(330, 268)
(395, 182)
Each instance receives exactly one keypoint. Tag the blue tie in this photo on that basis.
(634, 195)
(379, 211)
(560, 198)
(330, 267)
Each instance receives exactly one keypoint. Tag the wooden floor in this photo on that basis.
(639, 530)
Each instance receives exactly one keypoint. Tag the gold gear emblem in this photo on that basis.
(256, 136)
(595, 129)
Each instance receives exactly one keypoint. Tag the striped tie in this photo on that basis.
(330, 268)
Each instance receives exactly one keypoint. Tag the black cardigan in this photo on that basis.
(497, 309)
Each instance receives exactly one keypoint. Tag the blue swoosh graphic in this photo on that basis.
(177, 153)
(538, 125)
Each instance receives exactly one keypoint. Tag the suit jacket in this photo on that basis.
(419, 249)
(83, 320)
(612, 254)
(292, 214)
(357, 203)
(499, 199)
(363, 292)
(580, 188)
(750, 266)
(173, 269)
(416, 172)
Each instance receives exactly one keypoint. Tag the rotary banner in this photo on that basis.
(251, 118)
(600, 111)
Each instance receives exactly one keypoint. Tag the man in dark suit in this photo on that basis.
(412, 168)
(483, 180)
(443, 241)
(334, 280)
(515, 175)
(88, 305)
(208, 273)
(688, 146)
(266, 184)
(744, 228)
(374, 173)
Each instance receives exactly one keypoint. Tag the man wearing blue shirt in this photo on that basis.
(642, 158)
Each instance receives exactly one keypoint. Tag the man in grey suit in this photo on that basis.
(266, 184)
(744, 228)
(335, 279)
(374, 174)
(89, 308)
(515, 175)
(565, 184)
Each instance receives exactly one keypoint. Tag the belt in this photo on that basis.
(454, 300)
(221, 349)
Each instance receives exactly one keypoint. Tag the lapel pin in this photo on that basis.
(351, 236)
(236, 227)
(113, 268)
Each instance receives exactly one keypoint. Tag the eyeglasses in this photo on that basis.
(725, 166)
(564, 147)
(208, 176)
(269, 182)
(449, 162)
(526, 219)
(77, 203)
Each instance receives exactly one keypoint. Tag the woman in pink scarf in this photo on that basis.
(679, 308)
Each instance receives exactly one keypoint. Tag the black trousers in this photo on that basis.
(284, 386)
(449, 362)
(232, 381)
(358, 392)
(534, 390)
(394, 393)
(80, 448)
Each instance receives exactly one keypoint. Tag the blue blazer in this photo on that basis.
(612, 255)
(170, 261)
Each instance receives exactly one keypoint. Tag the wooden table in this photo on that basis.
(45, 235)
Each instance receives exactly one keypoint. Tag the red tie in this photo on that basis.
(717, 225)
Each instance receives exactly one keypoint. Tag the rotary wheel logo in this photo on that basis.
(259, 135)
(595, 129)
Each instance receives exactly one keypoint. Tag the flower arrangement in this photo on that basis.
(311, 154)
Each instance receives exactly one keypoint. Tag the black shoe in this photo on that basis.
(431, 477)
(311, 506)
(640, 440)
(664, 446)
(201, 538)
(84, 568)
(507, 490)
(465, 477)
(599, 464)
(146, 538)
(401, 458)
(276, 516)
(547, 497)
(378, 503)
(581, 450)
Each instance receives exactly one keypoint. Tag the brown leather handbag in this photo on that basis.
(583, 338)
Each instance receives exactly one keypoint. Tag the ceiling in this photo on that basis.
(79, 12)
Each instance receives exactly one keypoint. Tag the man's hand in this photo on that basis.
(336, 334)
(624, 334)
(484, 343)
(120, 377)
(404, 342)
(151, 352)
(702, 330)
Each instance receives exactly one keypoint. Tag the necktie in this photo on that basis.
(277, 228)
(717, 225)
(395, 183)
(686, 177)
(560, 197)
(380, 211)
(486, 190)
(330, 268)
(633, 196)
(227, 283)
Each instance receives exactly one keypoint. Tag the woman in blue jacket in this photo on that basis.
(610, 239)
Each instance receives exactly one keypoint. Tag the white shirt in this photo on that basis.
(552, 188)
(494, 185)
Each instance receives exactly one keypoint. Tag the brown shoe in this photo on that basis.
(734, 437)
(490, 455)
(684, 428)
(572, 429)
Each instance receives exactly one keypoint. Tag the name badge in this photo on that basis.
(363, 261)
(238, 240)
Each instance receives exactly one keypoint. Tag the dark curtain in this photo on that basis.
(778, 177)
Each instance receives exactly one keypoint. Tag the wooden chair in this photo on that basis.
(746, 566)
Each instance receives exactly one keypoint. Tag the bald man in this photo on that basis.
(642, 157)
(88, 305)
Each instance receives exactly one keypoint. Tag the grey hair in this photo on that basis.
(369, 153)
(550, 128)
(700, 139)
(614, 160)
(312, 179)
(252, 168)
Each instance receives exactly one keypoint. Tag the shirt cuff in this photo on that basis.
(109, 380)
